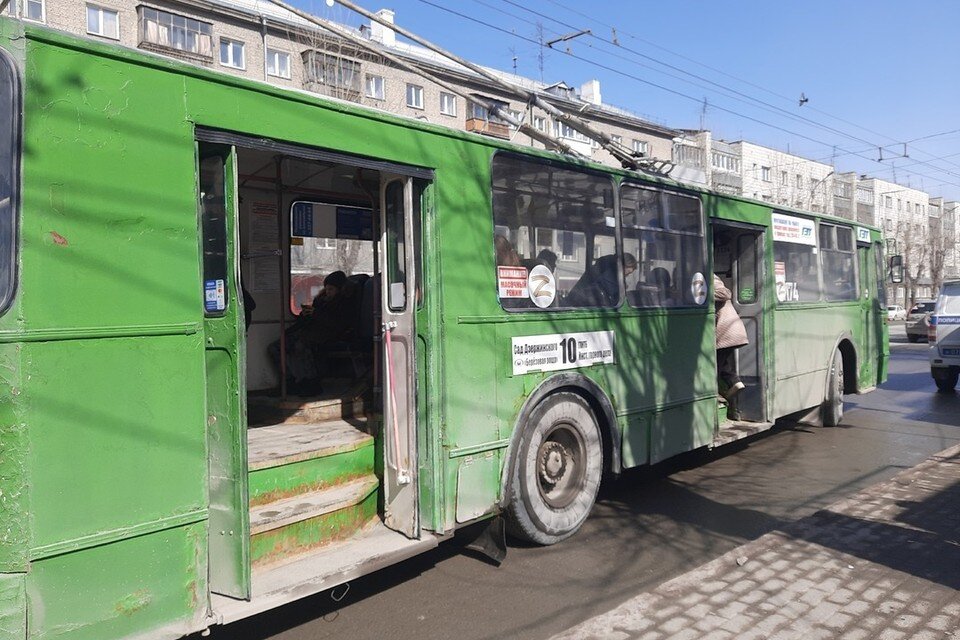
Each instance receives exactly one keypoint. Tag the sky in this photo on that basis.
(880, 77)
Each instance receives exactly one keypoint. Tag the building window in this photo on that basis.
(480, 120)
(231, 54)
(333, 71)
(725, 162)
(617, 139)
(563, 130)
(103, 22)
(783, 178)
(278, 63)
(174, 32)
(414, 96)
(899, 204)
(641, 147)
(35, 10)
(448, 104)
(375, 87)
(799, 181)
(887, 201)
(519, 116)
(540, 123)
(765, 174)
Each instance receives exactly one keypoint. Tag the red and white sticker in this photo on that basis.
(512, 282)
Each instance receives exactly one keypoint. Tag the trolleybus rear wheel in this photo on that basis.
(557, 470)
(833, 403)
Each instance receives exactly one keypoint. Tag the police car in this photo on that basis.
(944, 337)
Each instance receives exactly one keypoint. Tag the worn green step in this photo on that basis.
(289, 459)
(286, 529)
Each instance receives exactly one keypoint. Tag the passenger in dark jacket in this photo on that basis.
(599, 286)
(317, 329)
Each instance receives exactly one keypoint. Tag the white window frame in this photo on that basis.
(641, 146)
(231, 63)
(274, 56)
(540, 123)
(765, 174)
(375, 87)
(616, 139)
(102, 10)
(448, 104)
(414, 96)
(43, 10)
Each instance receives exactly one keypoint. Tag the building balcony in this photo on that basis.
(487, 128)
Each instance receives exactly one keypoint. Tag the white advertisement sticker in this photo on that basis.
(512, 282)
(863, 235)
(559, 351)
(792, 229)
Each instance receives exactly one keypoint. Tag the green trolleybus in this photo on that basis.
(510, 327)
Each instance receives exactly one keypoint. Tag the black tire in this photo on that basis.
(833, 402)
(556, 473)
(912, 337)
(946, 380)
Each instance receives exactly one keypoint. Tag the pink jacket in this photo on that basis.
(730, 329)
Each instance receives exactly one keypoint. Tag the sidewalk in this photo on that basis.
(884, 563)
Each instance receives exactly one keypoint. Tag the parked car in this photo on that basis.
(918, 320)
(945, 338)
(896, 312)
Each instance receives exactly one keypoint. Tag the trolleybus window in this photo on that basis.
(664, 230)
(558, 219)
(795, 265)
(9, 176)
(396, 248)
(214, 225)
(747, 280)
(837, 255)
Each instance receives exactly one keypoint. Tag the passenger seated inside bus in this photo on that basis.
(599, 286)
(507, 256)
(657, 290)
(546, 258)
(320, 328)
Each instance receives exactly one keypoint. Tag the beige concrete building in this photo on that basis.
(258, 40)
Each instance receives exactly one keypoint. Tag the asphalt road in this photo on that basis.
(646, 528)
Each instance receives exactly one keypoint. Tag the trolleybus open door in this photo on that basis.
(229, 542)
(399, 302)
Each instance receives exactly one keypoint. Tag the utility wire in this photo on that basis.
(766, 106)
(674, 91)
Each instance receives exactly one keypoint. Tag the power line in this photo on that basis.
(765, 105)
(674, 91)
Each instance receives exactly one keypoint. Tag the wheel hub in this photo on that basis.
(553, 462)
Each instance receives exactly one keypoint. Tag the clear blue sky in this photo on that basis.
(876, 73)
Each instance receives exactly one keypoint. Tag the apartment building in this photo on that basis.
(258, 40)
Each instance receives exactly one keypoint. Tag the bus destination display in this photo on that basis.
(558, 351)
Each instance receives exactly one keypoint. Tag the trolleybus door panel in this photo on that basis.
(870, 311)
(399, 301)
(749, 304)
(229, 542)
(746, 277)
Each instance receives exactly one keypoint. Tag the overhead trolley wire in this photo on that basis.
(681, 94)
(766, 106)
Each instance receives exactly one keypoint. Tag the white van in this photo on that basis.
(944, 337)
